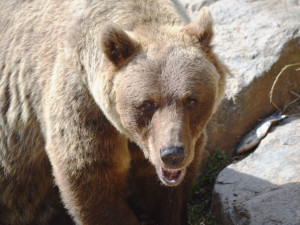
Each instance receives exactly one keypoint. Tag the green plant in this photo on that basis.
(201, 193)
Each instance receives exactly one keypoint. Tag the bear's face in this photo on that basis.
(161, 94)
(165, 98)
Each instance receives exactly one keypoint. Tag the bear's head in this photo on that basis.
(161, 89)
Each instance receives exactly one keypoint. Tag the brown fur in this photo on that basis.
(78, 79)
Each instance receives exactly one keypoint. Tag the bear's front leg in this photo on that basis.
(90, 162)
(167, 205)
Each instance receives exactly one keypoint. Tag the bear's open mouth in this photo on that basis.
(171, 177)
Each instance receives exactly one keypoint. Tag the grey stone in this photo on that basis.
(263, 188)
(194, 6)
(256, 39)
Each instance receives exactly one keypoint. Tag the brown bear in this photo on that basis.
(97, 94)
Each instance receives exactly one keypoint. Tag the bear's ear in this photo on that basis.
(201, 29)
(117, 46)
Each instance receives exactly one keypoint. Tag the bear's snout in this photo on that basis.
(173, 155)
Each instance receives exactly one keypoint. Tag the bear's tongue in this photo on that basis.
(171, 174)
(171, 177)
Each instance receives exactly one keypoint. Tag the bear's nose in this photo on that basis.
(172, 155)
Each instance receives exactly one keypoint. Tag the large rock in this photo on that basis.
(263, 188)
(193, 6)
(256, 39)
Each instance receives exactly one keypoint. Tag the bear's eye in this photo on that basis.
(191, 102)
(145, 112)
(148, 106)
